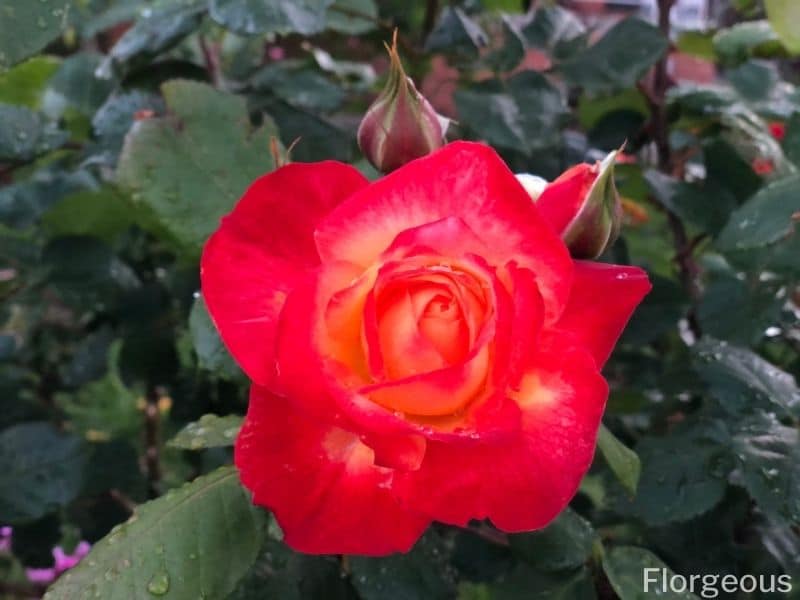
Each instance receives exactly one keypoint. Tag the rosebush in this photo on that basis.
(190, 234)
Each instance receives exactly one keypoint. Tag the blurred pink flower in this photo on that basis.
(5, 538)
(42, 576)
(63, 562)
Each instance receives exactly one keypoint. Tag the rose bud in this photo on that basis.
(584, 207)
(400, 125)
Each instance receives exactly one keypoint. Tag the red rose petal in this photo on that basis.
(521, 484)
(561, 200)
(321, 483)
(464, 180)
(602, 301)
(261, 250)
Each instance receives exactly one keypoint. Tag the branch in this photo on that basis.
(490, 534)
(688, 269)
(152, 427)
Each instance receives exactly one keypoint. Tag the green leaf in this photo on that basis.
(769, 456)
(25, 134)
(555, 29)
(455, 32)
(750, 38)
(353, 17)
(211, 352)
(41, 470)
(511, 53)
(114, 118)
(757, 304)
(625, 568)
(24, 84)
(784, 15)
(103, 213)
(564, 544)
(417, 575)
(623, 461)
(27, 27)
(525, 583)
(103, 409)
(283, 574)
(739, 377)
(524, 113)
(618, 60)
(677, 486)
(191, 166)
(76, 86)
(23, 203)
(157, 30)
(303, 88)
(210, 431)
(318, 139)
(791, 141)
(764, 219)
(270, 16)
(86, 272)
(195, 542)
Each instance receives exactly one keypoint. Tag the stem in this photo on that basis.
(152, 426)
(429, 21)
(490, 534)
(688, 269)
(211, 60)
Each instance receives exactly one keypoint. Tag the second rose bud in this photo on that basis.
(400, 125)
(582, 205)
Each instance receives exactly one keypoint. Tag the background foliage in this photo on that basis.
(127, 128)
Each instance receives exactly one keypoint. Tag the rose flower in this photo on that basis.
(421, 348)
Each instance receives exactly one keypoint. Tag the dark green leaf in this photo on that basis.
(618, 60)
(281, 573)
(210, 431)
(738, 377)
(456, 32)
(76, 86)
(555, 29)
(157, 30)
(525, 583)
(211, 353)
(418, 575)
(769, 456)
(106, 408)
(564, 544)
(524, 114)
(625, 568)
(41, 470)
(677, 486)
(353, 17)
(25, 134)
(302, 88)
(317, 139)
(195, 542)
(27, 27)
(764, 219)
(193, 165)
(791, 143)
(757, 304)
(270, 16)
